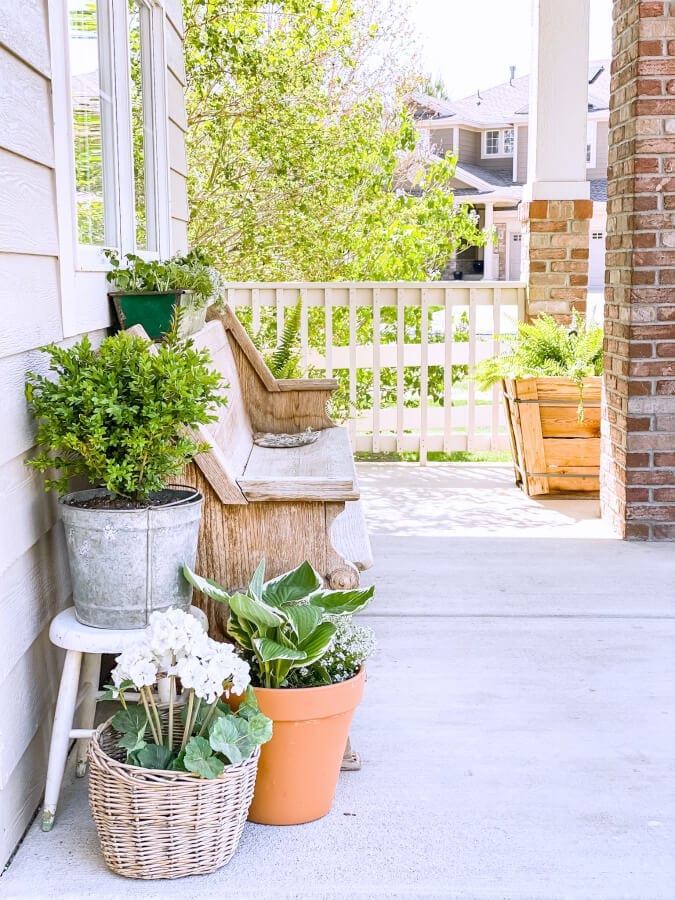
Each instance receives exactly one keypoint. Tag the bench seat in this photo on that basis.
(321, 471)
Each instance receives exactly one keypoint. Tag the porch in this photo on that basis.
(538, 759)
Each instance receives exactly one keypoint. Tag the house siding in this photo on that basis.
(601, 152)
(35, 581)
(441, 140)
(521, 148)
(469, 147)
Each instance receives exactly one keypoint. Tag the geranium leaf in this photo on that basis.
(199, 758)
(151, 756)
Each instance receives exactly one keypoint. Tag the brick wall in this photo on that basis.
(638, 442)
(555, 237)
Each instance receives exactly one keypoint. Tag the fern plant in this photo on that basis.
(544, 347)
(281, 353)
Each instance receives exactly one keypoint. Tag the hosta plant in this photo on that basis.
(201, 734)
(285, 623)
(351, 646)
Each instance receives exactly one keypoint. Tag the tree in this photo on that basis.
(299, 168)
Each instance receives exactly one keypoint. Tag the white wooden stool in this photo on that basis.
(79, 687)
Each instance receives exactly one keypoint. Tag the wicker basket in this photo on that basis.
(156, 824)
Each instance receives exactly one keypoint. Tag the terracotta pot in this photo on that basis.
(300, 766)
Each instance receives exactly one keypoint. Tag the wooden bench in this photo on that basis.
(286, 505)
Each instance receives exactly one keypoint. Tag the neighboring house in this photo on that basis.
(92, 123)
(488, 132)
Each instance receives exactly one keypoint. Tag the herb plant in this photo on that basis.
(285, 623)
(201, 735)
(119, 415)
(192, 272)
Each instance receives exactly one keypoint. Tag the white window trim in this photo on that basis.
(84, 302)
(501, 154)
(592, 139)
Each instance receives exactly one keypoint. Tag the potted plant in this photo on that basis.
(119, 416)
(170, 786)
(150, 292)
(286, 629)
(551, 385)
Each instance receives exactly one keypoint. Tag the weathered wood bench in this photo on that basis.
(284, 504)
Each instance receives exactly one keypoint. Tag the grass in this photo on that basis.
(456, 456)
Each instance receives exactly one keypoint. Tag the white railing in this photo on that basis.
(401, 350)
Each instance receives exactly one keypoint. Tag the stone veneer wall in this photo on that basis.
(555, 253)
(638, 465)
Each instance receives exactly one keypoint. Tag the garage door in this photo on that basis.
(596, 261)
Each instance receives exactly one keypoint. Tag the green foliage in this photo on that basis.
(119, 415)
(192, 272)
(230, 738)
(284, 623)
(295, 173)
(544, 347)
(351, 645)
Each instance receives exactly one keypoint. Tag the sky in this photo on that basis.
(472, 44)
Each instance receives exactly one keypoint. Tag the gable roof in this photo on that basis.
(509, 101)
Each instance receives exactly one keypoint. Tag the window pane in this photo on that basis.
(87, 121)
(508, 141)
(141, 125)
(491, 142)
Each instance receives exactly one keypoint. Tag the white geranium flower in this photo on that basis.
(136, 664)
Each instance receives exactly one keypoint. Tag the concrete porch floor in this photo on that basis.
(518, 729)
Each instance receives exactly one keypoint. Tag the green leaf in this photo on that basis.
(256, 585)
(304, 619)
(151, 756)
(206, 585)
(199, 758)
(338, 603)
(245, 607)
(270, 650)
(239, 631)
(178, 764)
(249, 707)
(131, 720)
(260, 729)
(130, 741)
(318, 642)
(227, 735)
(292, 586)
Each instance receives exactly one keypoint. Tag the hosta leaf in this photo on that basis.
(199, 758)
(211, 588)
(256, 585)
(151, 756)
(239, 632)
(318, 642)
(292, 586)
(245, 607)
(339, 603)
(270, 650)
(304, 619)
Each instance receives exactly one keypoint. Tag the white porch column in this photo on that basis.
(489, 249)
(558, 101)
(556, 206)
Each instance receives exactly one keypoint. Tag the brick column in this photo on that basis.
(638, 442)
(555, 255)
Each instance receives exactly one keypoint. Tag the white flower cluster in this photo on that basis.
(350, 648)
(174, 643)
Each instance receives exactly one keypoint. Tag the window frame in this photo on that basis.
(84, 302)
(501, 152)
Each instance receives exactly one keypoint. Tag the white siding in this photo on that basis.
(34, 581)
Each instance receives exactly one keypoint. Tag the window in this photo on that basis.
(491, 143)
(119, 124)
(498, 142)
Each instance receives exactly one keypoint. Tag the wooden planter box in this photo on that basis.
(552, 450)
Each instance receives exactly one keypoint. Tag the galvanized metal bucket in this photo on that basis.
(125, 564)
